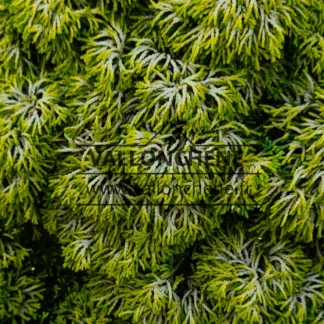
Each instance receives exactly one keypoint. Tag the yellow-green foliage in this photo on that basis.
(92, 232)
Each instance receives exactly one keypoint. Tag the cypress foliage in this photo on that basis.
(102, 220)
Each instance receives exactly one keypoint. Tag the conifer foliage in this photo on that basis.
(90, 90)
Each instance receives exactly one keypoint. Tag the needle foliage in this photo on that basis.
(102, 220)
